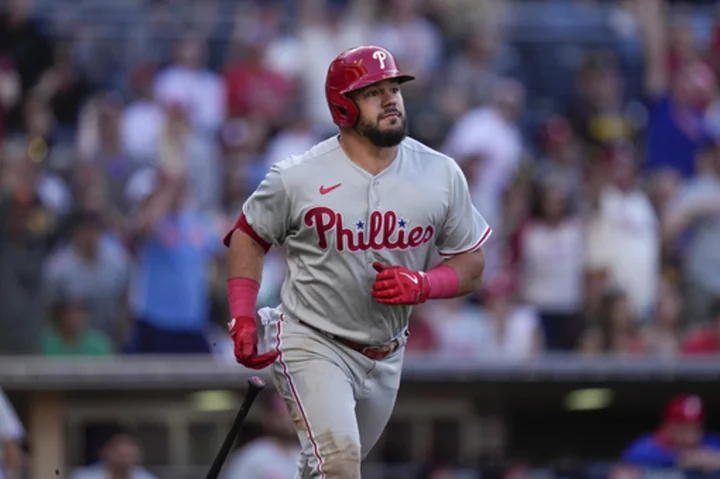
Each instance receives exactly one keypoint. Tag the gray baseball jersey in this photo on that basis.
(335, 219)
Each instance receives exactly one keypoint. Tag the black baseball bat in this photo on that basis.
(256, 385)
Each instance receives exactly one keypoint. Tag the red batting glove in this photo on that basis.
(243, 332)
(398, 285)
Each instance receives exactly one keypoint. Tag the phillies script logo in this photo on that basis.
(383, 231)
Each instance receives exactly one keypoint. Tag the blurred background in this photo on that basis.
(132, 131)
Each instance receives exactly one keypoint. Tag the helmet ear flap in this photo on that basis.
(344, 111)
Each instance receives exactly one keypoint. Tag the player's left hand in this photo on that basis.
(399, 285)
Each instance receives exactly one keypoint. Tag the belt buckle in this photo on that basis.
(378, 352)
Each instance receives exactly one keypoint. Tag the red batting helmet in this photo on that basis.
(354, 69)
(686, 409)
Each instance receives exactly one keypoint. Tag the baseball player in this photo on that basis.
(362, 216)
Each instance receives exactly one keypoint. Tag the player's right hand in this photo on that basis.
(243, 332)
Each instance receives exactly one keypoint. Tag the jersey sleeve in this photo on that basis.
(266, 213)
(464, 229)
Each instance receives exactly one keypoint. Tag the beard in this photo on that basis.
(383, 138)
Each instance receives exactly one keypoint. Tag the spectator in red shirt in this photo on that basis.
(254, 90)
(706, 339)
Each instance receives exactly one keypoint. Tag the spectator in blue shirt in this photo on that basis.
(676, 98)
(679, 442)
(175, 246)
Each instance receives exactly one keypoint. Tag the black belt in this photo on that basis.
(371, 351)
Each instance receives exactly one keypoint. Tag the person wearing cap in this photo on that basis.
(679, 442)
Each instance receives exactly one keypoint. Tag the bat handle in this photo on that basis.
(255, 387)
(255, 383)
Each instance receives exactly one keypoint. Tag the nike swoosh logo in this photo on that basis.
(411, 278)
(325, 191)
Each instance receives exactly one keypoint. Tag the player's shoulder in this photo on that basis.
(320, 152)
(428, 156)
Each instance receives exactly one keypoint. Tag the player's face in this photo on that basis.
(382, 114)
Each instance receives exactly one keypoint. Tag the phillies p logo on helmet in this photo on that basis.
(380, 56)
(353, 69)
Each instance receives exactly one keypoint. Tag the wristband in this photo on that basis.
(242, 295)
(443, 282)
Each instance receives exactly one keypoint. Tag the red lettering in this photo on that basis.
(388, 230)
(345, 236)
(402, 241)
(380, 232)
(415, 236)
(429, 232)
(376, 231)
(324, 220)
(361, 241)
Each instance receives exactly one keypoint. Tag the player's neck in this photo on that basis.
(367, 156)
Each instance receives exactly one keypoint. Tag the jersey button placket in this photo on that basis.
(374, 199)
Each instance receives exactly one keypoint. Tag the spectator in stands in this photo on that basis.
(512, 329)
(705, 339)
(11, 437)
(414, 40)
(30, 49)
(142, 119)
(623, 244)
(195, 155)
(676, 98)
(93, 266)
(473, 70)
(598, 111)
(9, 90)
(64, 88)
(27, 232)
(422, 339)
(326, 28)
(664, 334)
(38, 122)
(100, 148)
(189, 82)
(69, 332)
(119, 457)
(274, 455)
(694, 217)
(547, 257)
(175, 245)
(254, 90)
(680, 441)
(562, 158)
(614, 328)
(451, 328)
(295, 139)
(487, 143)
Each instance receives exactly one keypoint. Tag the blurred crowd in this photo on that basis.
(122, 164)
